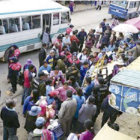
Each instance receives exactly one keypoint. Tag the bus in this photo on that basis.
(124, 9)
(22, 23)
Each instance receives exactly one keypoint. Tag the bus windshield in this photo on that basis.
(120, 3)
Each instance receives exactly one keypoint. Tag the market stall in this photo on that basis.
(135, 65)
(101, 68)
(126, 88)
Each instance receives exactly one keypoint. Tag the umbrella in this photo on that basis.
(125, 28)
(135, 22)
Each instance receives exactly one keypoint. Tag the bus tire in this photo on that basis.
(6, 55)
(130, 16)
(137, 15)
(112, 16)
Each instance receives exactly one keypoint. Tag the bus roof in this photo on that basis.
(12, 7)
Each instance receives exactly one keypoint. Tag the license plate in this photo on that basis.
(30, 47)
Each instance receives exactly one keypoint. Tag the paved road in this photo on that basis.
(88, 19)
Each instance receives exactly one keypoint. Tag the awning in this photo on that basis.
(135, 22)
(107, 133)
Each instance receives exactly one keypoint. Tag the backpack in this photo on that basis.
(21, 79)
(47, 135)
(17, 52)
(74, 47)
(40, 86)
(16, 66)
(80, 58)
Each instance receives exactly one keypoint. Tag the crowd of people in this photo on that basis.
(55, 103)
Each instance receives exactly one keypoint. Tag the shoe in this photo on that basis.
(13, 91)
(8, 80)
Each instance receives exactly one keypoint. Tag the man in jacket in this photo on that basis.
(28, 76)
(67, 112)
(14, 69)
(86, 112)
(45, 67)
(10, 120)
(82, 36)
(83, 70)
(50, 58)
(42, 54)
(109, 112)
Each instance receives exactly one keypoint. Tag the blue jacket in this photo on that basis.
(50, 60)
(88, 90)
(103, 26)
(50, 100)
(82, 36)
(27, 104)
(82, 72)
(80, 101)
(48, 68)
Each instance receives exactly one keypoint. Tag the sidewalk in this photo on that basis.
(84, 7)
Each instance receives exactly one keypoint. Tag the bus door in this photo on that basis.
(133, 9)
(47, 21)
(55, 24)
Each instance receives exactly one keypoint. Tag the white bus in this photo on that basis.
(23, 21)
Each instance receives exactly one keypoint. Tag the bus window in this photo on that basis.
(2, 29)
(35, 22)
(5, 24)
(120, 3)
(134, 4)
(55, 18)
(14, 25)
(131, 5)
(26, 23)
(64, 17)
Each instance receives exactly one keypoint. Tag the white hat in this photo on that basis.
(35, 110)
(45, 72)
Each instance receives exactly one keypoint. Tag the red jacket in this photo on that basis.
(68, 55)
(68, 30)
(27, 78)
(77, 61)
(74, 38)
(16, 52)
(15, 66)
(58, 44)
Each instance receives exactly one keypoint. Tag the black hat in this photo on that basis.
(41, 74)
(71, 26)
(69, 93)
(91, 56)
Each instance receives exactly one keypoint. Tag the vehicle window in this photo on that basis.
(26, 23)
(120, 3)
(55, 18)
(35, 22)
(2, 29)
(14, 25)
(134, 4)
(131, 5)
(64, 17)
(5, 25)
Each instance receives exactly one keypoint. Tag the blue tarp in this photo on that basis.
(126, 87)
